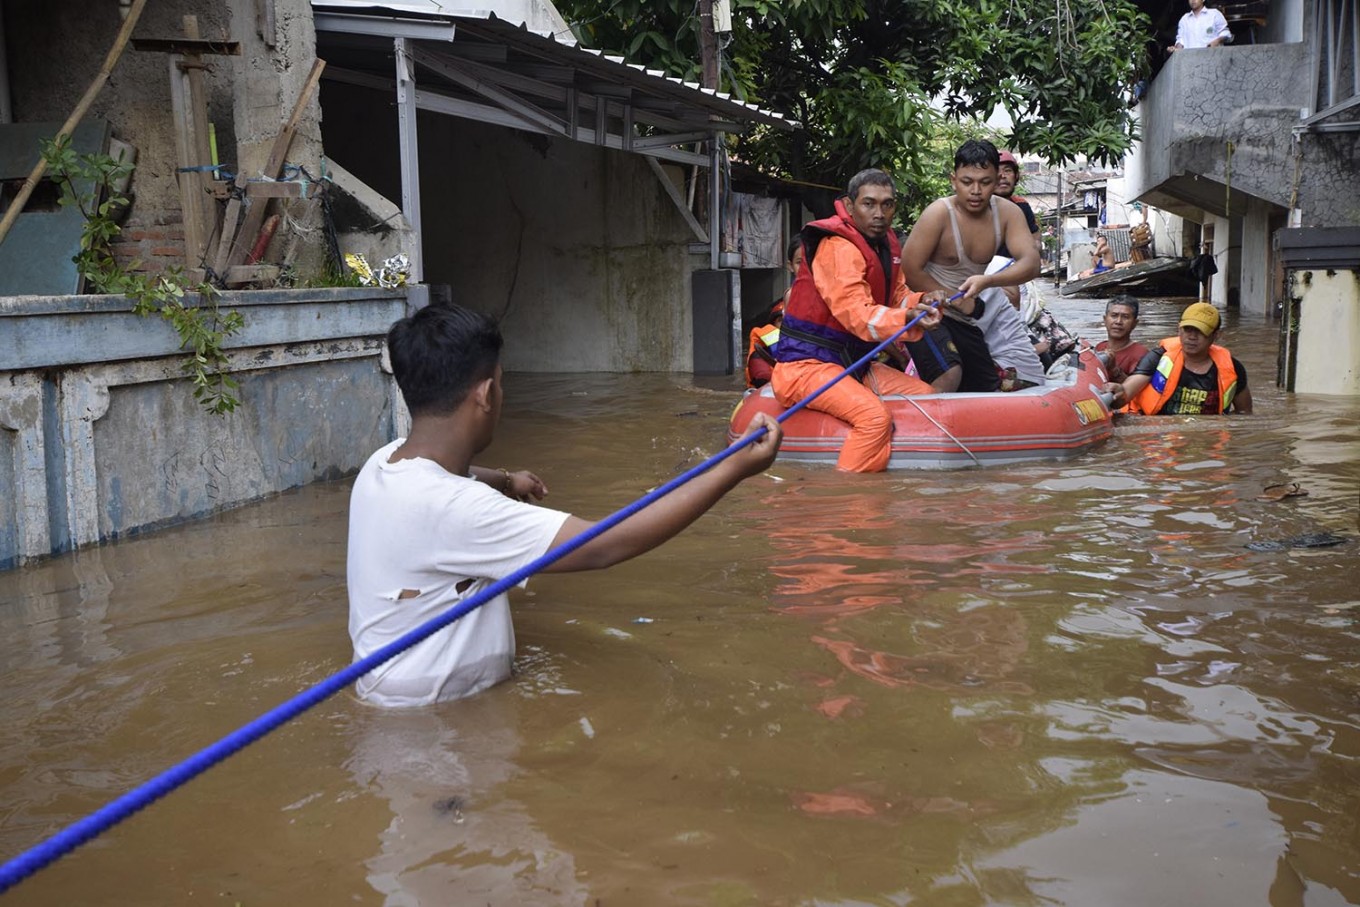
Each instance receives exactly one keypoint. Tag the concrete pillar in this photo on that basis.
(1256, 259)
(1218, 286)
(21, 413)
(278, 48)
(84, 401)
(277, 52)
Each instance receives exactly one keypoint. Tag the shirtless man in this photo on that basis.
(983, 345)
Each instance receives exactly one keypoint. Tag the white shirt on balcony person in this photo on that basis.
(1201, 27)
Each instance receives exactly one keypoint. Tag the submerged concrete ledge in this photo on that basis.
(100, 435)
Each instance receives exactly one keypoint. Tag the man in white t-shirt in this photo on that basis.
(1201, 27)
(428, 530)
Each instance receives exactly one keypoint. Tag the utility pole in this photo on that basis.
(708, 44)
(1059, 225)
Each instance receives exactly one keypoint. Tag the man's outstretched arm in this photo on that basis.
(666, 517)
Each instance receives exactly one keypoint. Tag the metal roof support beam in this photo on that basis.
(678, 200)
(1312, 122)
(410, 152)
(714, 200)
(416, 29)
(438, 103)
(484, 113)
(684, 138)
(644, 110)
(455, 72)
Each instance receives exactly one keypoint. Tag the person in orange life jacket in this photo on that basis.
(760, 360)
(850, 296)
(759, 352)
(982, 344)
(1189, 374)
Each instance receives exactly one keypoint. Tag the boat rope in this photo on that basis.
(77, 833)
(947, 432)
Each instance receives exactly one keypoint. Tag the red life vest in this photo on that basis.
(809, 330)
(1152, 398)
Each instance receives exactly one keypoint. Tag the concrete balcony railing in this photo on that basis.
(1202, 100)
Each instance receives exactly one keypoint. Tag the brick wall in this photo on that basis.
(157, 245)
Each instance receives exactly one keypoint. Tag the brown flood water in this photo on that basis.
(1052, 684)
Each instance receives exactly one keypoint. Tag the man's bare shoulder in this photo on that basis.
(930, 223)
(936, 210)
(1004, 205)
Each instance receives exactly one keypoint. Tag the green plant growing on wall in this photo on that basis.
(89, 182)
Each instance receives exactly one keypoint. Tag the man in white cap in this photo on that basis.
(1189, 374)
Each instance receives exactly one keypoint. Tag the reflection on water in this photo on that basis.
(1067, 683)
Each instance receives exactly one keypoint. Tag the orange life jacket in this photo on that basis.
(1152, 398)
(809, 330)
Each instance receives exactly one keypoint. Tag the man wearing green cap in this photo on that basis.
(1189, 374)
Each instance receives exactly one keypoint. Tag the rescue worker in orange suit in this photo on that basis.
(849, 296)
(1189, 374)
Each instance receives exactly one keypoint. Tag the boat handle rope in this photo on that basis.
(77, 833)
(948, 434)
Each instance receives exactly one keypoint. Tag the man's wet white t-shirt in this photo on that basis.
(421, 540)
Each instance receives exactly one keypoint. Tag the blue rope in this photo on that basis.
(77, 833)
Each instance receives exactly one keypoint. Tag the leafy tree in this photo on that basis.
(874, 82)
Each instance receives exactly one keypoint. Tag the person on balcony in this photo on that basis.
(1201, 27)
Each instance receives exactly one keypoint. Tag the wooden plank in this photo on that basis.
(1126, 275)
(254, 219)
(239, 275)
(265, 22)
(227, 233)
(192, 67)
(190, 188)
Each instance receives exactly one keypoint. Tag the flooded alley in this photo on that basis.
(1120, 679)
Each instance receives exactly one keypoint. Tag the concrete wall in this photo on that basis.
(1284, 24)
(1203, 99)
(576, 249)
(1329, 331)
(1250, 96)
(100, 435)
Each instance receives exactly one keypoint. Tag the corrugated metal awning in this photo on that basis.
(528, 74)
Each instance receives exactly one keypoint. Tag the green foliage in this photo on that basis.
(87, 182)
(880, 82)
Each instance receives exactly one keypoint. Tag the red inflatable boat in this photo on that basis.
(1063, 418)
